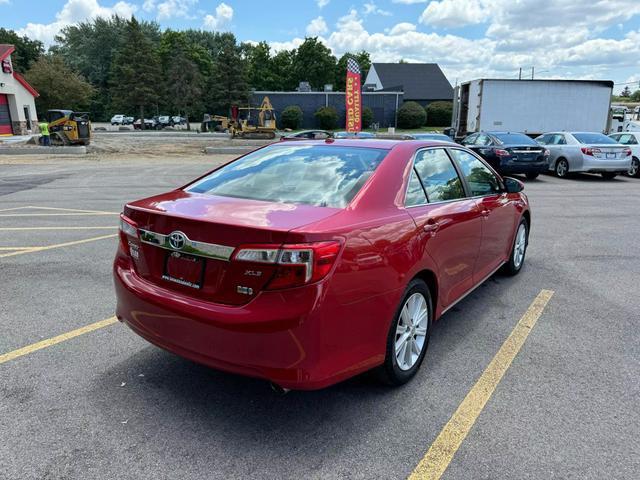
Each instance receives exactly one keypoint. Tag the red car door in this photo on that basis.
(449, 224)
(497, 210)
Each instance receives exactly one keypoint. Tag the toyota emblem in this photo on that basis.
(177, 240)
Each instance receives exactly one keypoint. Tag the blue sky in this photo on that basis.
(468, 38)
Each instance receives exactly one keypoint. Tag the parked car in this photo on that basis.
(509, 152)
(118, 120)
(305, 263)
(128, 120)
(308, 135)
(589, 152)
(631, 140)
(353, 135)
(441, 137)
(148, 122)
(178, 120)
(163, 121)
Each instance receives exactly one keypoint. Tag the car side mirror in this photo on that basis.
(512, 185)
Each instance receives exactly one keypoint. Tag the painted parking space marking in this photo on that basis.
(53, 212)
(64, 214)
(34, 347)
(445, 446)
(58, 245)
(26, 229)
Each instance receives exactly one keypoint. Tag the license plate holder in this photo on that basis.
(611, 155)
(184, 269)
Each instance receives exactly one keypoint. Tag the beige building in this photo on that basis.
(17, 106)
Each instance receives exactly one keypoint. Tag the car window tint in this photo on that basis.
(438, 175)
(481, 180)
(591, 138)
(627, 139)
(415, 193)
(558, 139)
(514, 138)
(470, 140)
(483, 140)
(321, 175)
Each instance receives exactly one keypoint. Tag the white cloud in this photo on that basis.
(222, 17)
(149, 5)
(372, 8)
(402, 28)
(317, 26)
(453, 13)
(409, 2)
(322, 3)
(174, 9)
(75, 11)
(5, 2)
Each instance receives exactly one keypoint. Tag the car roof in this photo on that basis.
(386, 144)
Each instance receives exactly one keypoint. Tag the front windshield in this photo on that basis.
(321, 175)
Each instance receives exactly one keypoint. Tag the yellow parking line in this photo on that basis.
(21, 229)
(58, 245)
(67, 214)
(55, 340)
(445, 446)
(71, 210)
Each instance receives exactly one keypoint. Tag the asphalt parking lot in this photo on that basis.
(101, 403)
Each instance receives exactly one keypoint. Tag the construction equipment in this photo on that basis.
(246, 122)
(68, 127)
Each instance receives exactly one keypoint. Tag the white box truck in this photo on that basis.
(531, 106)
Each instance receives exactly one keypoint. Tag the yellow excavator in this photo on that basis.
(246, 122)
(69, 128)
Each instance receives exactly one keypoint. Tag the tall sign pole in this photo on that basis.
(353, 97)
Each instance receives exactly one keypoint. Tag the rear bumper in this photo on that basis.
(595, 165)
(285, 337)
(514, 166)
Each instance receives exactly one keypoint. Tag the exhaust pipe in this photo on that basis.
(279, 390)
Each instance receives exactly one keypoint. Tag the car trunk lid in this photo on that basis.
(197, 260)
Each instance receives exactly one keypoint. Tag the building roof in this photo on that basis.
(419, 81)
(6, 50)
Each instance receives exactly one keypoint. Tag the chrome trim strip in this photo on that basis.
(471, 290)
(191, 247)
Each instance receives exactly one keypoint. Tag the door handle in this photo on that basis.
(431, 227)
(485, 212)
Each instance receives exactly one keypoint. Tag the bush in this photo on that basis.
(411, 115)
(439, 114)
(291, 117)
(326, 118)
(367, 117)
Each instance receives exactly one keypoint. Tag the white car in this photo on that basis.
(631, 140)
(588, 152)
(118, 120)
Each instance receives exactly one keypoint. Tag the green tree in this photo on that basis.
(327, 118)
(90, 47)
(228, 84)
(367, 117)
(411, 115)
(626, 92)
(260, 65)
(282, 65)
(439, 114)
(313, 62)
(45, 75)
(291, 117)
(635, 96)
(363, 59)
(136, 74)
(27, 50)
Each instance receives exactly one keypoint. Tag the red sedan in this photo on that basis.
(306, 263)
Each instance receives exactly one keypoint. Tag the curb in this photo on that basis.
(80, 150)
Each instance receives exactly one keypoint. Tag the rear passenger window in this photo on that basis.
(481, 180)
(415, 192)
(438, 175)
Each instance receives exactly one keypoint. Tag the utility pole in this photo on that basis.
(532, 70)
(520, 74)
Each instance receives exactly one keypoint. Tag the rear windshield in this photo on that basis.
(590, 138)
(514, 138)
(321, 175)
(431, 136)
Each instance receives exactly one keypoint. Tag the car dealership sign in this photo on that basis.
(353, 98)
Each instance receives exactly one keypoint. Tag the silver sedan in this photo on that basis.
(631, 140)
(585, 152)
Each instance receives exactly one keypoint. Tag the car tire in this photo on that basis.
(415, 301)
(532, 175)
(562, 168)
(609, 175)
(518, 249)
(634, 169)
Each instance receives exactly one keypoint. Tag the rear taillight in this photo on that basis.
(590, 151)
(502, 153)
(128, 232)
(297, 264)
(627, 152)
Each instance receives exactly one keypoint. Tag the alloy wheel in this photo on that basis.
(520, 246)
(411, 331)
(633, 169)
(562, 168)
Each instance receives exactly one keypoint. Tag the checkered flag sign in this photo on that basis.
(352, 66)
